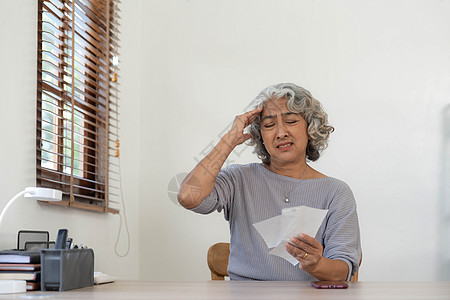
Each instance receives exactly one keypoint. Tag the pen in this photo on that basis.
(69, 243)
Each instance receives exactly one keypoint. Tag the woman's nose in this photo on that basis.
(281, 131)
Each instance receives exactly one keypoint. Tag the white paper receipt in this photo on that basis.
(279, 230)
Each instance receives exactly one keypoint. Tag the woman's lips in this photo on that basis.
(284, 146)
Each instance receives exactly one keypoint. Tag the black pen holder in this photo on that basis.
(66, 269)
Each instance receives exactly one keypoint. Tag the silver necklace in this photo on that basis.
(286, 195)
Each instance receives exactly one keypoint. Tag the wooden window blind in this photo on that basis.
(77, 102)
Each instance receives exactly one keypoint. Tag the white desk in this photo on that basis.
(217, 290)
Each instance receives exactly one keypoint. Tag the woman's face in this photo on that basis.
(284, 133)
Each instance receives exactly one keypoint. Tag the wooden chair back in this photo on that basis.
(355, 276)
(218, 260)
(218, 255)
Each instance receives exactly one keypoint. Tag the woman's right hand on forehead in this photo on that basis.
(203, 176)
(236, 135)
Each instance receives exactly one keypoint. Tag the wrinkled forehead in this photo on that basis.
(274, 106)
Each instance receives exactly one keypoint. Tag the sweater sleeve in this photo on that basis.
(221, 197)
(341, 238)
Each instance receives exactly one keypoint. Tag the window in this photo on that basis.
(77, 102)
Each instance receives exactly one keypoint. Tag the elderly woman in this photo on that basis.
(288, 127)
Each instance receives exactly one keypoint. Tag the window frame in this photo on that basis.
(94, 45)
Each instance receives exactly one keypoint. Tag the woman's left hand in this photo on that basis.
(307, 250)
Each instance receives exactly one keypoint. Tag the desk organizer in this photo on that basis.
(66, 269)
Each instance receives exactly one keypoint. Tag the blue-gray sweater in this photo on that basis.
(250, 193)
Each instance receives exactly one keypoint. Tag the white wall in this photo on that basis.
(381, 70)
(18, 23)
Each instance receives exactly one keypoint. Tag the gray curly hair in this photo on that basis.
(299, 100)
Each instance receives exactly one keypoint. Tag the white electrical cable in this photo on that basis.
(125, 218)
